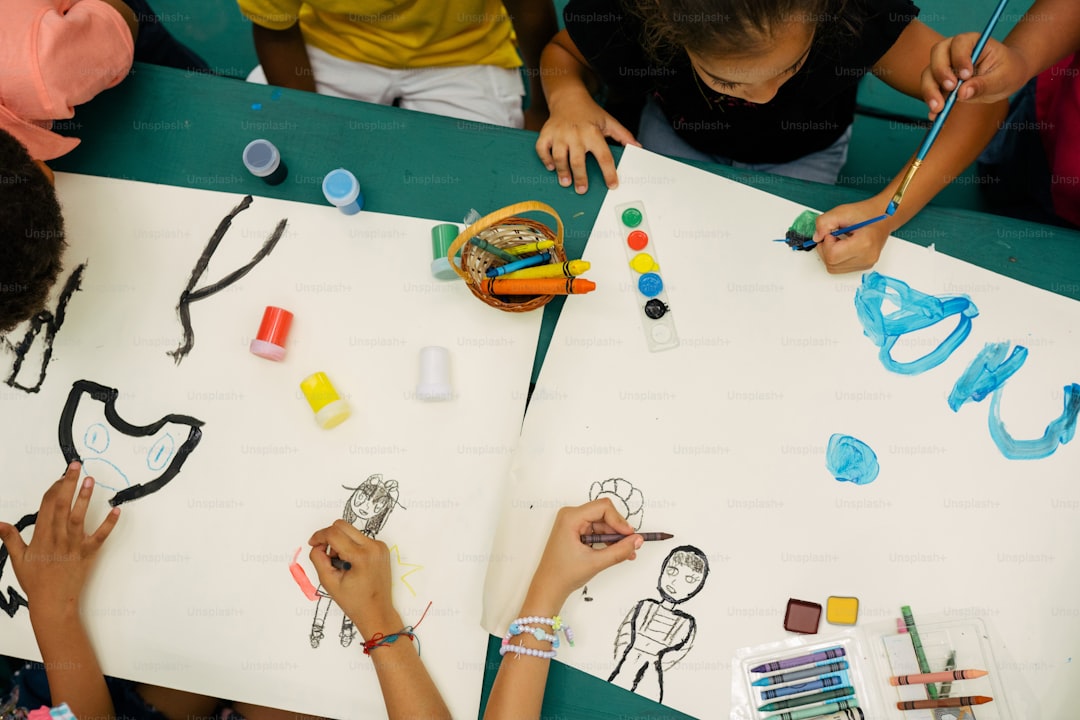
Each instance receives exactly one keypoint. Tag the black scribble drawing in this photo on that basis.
(50, 322)
(191, 294)
(92, 432)
(627, 499)
(655, 635)
(585, 594)
(368, 508)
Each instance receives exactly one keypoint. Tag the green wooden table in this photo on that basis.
(170, 127)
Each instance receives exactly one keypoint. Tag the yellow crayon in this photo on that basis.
(537, 246)
(570, 268)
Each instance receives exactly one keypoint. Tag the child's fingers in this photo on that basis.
(105, 528)
(578, 154)
(960, 50)
(56, 504)
(543, 151)
(560, 155)
(600, 150)
(625, 549)
(12, 540)
(78, 510)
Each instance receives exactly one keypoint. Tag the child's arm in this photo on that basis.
(1047, 32)
(363, 592)
(534, 24)
(577, 124)
(566, 565)
(283, 56)
(963, 136)
(52, 571)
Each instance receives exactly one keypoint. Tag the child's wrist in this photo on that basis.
(386, 621)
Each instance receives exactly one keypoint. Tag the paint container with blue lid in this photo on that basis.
(342, 189)
(262, 159)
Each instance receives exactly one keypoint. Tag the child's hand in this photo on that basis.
(1001, 72)
(859, 250)
(53, 568)
(363, 591)
(567, 563)
(578, 126)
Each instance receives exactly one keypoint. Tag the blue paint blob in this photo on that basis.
(1060, 430)
(275, 94)
(915, 311)
(986, 373)
(851, 460)
(256, 106)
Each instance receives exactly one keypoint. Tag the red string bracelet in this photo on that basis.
(378, 639)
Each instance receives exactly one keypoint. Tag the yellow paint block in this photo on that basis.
(842, 610)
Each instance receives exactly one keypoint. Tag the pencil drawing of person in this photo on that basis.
(367, 508)
(655, 635)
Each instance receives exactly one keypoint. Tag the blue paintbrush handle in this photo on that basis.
(951, 100)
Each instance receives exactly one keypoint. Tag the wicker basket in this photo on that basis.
(504, 229)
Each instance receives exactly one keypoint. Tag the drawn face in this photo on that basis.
(370, 500)
(683, 574)
(131, 460)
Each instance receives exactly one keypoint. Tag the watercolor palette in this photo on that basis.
(650, 294)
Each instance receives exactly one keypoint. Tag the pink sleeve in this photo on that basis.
(80, 53)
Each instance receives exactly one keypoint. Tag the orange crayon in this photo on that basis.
(937, 677)
(539, 286)
(944, 702)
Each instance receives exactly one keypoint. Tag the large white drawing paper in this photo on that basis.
(724, 441)
(216, 458)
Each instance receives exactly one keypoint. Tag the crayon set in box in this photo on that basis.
(845, 675)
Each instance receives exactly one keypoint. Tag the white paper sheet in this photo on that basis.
(725, 438)
(193, 589)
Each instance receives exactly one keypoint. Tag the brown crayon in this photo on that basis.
(540, 286)
(944, 702)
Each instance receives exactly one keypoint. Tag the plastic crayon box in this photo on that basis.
(973, 644)
(746, 698)
(875, 652)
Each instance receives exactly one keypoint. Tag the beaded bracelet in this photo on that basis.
(555, 622)
(536, 632)
(519, 650)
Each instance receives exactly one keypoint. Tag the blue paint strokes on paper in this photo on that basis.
(914, 311)
(851, 460)
(1058, 432)
(986, 373)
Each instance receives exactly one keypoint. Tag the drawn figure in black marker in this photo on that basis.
(656, 634)
(368, 509)
(627, 499)
(131, 460)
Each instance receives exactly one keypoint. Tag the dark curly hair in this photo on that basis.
(31, 234)
(738, 26)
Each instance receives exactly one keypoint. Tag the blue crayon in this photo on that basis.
(818, 669)
(821, 683)
(541, 259)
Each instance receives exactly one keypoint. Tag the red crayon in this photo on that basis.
(539, 286)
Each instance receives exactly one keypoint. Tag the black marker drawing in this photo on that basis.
(103, 442)
(655, 635)
(368, 508)
(51, 322)
(191, 295)
(627, 499)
